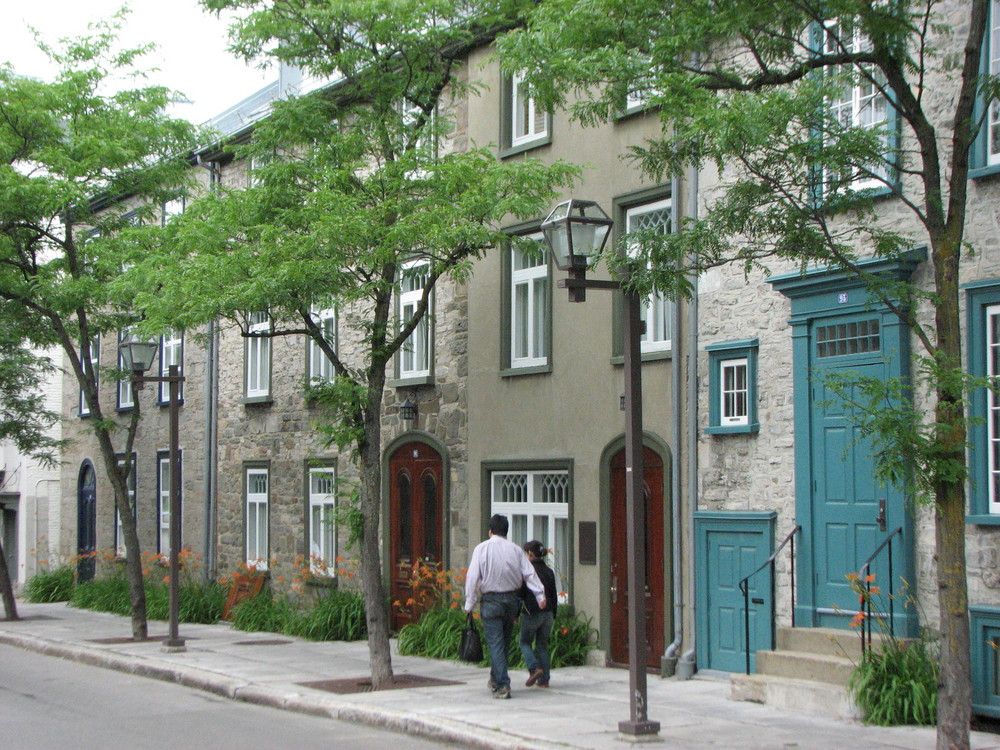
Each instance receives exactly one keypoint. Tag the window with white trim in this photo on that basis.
(993, 59)
(258, 355)
(322, 520)
(321, 366)
(529, 305)
(859, 103)
(528, 121)
(655, 310)
(992, 350)
(256, 517)
(171, 209)
(120, 547)
(126, 394)
(415, 354)
(537, 505)
(734, 392)
(163, 504)
(94, 355)
(171, 353)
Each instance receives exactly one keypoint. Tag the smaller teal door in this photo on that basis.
(730, 546)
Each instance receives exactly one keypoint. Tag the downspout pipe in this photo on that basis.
(668, 663)
(688, 665)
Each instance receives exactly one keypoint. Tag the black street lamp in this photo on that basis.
(576, 231)
(137, 356)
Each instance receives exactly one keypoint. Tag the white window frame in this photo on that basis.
(858, 103)
(734, 392)
(993, 60)
(992, 349)
(171, 353)
(525, 497)
(126, 393)
(655, 310)
(415, 354)
(256, 506)
(163, 504)
(170, 209)
(527, 122)
(322, 520)
(258, 356)
(529, 308)
(321, 368)
(130, 484)
(95, 360)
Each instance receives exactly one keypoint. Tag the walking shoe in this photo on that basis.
(533, 677)
(503, 693)
(542, 684)
(491, 685)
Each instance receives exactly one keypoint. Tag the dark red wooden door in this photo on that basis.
(415, 527)
(654, 594)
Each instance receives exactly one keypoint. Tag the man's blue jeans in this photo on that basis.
(498, 612)
(535, 628)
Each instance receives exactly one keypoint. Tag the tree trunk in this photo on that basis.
(7, 589)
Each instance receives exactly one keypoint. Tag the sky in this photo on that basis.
(191, 53)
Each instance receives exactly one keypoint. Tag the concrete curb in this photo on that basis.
(434, 729)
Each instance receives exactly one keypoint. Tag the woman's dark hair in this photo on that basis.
(535, 548)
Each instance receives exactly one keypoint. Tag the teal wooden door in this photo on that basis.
(847, 501)
(730, 546)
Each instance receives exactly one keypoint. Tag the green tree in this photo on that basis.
(351, 186)
(754, 89)
(74, 153)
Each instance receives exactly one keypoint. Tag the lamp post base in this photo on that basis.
(174, 646)
(639, 731)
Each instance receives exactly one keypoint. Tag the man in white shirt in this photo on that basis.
(496, 572)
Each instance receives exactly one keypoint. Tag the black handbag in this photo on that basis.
(470, 648)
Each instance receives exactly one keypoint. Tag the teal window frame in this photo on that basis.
(718, 354)
(893, 126)
(980, 296)
(984, 627)
(979, 160)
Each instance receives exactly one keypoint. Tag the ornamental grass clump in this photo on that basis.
(336, 616)
(50, 585)
(896, 681)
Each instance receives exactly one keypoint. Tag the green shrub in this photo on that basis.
(50, 585)
(201, 601)
(337, 616)
(106, 594)
(898, 684)
(437, 633)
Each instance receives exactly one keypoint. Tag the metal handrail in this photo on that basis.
(745, 588)
(866, 626)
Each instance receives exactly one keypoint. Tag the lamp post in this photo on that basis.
(137, 356)
(575, 231)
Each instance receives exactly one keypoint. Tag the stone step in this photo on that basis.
(830, 641)
(807, 696)
(802, 665)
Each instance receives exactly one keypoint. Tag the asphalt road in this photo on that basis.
(48, 703)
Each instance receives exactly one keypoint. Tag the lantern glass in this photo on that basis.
(137, 354)
(575, 231)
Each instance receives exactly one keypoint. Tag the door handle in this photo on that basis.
(880, 518)
(614, 589)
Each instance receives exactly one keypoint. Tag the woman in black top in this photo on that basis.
(536, 624)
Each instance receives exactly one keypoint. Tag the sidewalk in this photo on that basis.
(581, 709)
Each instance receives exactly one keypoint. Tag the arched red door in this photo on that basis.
(654, 594)
(416, 517)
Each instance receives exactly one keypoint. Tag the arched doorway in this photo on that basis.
(416, 520)
(655, 578)
(86, 522)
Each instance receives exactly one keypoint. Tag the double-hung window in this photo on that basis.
(732, 387)
(983, 310)
(322, 520)
(524, 124)
(171, 353)
(529, 304)
(321, 366)
(537, 505)
(415, 355)
(170, 209)
(163, 486)
(984, 157)
(655, 310)
(256, 488)
(258, 355)
(857, 101)
(93, 354)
